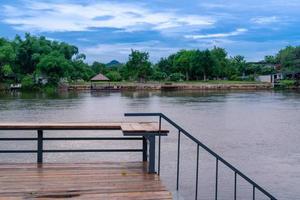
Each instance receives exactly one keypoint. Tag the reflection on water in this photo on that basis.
(256, 131)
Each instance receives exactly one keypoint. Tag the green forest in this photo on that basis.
(26, 59)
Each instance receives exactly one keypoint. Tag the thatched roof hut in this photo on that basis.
(99, 77)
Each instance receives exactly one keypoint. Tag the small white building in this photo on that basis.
(264, 78)
(272, 78)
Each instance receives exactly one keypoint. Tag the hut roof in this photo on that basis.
(100, 77)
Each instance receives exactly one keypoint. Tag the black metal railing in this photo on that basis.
(199, 144)
(40, 145)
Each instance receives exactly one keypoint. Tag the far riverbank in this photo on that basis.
(132, 86)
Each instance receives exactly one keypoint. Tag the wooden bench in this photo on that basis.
(147, 130)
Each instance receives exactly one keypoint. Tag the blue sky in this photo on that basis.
(106, 30)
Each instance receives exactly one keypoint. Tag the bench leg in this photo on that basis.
(145, 149)
(151, 140)
(39, 146)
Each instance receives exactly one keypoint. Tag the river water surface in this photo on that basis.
(258, 132)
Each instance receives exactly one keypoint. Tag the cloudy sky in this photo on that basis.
(106, 30)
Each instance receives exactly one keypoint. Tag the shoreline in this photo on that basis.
(156, 86)
(170, 87)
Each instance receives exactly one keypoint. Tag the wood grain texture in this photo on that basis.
(106, 180)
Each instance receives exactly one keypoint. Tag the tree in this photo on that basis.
(220, 67)
(207, 64)
(54, 66)
(98, 67)
(138, 66)
(203, 64)
(270, 59)
(158, 75)
(176, 77)
(289, 58)
(7, 70)
(166, 64)
(37, 55)
(7, 58)
(28, 52)
(197, 64)
(68, 50)
(114, 76)
(182, 63)
(78, 70)
(238, 64)
(27, 82)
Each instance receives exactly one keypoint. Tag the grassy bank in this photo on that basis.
(155, 85)
(184, 85)
(226, 82)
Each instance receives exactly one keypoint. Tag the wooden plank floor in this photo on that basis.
(106, 180)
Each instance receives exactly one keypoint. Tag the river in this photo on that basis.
(256, 131)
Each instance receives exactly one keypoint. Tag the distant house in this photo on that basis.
(272, 78)
(275, 78)
(264, 78)
(99, 78)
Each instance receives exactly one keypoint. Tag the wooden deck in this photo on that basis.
(106, 180)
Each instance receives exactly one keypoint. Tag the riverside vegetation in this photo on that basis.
(26, 60)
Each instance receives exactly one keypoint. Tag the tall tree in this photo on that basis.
(7, 58)
(182, 62)
(98, 67)
(54, 66)
(220, 62)
(138, 66)
(289, 58)
(206, 64)
(239, 64)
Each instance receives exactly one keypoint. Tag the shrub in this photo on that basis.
(27, 82)
(176, 77)
(250, 78)
(287, 83)
(6, 70)
(159, 76)
(50, 89)
(114, 76)
(235, 77)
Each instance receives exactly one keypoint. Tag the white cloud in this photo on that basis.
(120, 51)
(265, 20)
(59, 17)
(217, 35)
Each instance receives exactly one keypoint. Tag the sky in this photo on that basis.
(107, 30)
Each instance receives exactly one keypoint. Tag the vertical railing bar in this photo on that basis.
(235, 177)
(145, 150)
(253, 192)
(40, 146)
(178, 160)
(217, 174)
(159, 142)
(197, 173)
